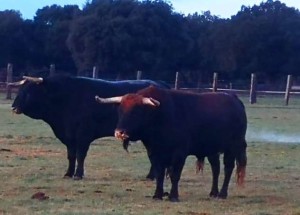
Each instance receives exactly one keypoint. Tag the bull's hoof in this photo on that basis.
(214, 194)
(150, 177)
(67, 177)
(222, 195)
(157, 197)
(173, 199)
(166, 194)
(77, 178)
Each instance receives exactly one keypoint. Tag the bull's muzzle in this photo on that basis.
(121, 134)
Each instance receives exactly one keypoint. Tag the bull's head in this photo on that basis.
(29, 97)
(135, 113)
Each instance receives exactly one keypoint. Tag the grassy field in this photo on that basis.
(32, 160)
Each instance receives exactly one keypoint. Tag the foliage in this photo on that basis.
(264, 39)
(52, 26)
(12, 38)
(123, 36)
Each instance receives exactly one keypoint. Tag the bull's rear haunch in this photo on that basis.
(174, 124)
(67, 104)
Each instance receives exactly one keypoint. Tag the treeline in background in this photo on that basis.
(120, 37)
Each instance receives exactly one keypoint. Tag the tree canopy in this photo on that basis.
(123, 36)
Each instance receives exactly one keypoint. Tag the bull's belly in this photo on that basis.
(210, 146)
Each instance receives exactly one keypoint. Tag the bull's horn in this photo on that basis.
(151, 101)
(109, 100)
(33, 79)
(19, 83)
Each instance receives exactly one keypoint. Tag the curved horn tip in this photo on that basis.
(151, 101)
(98, 99)
(19, 83)
(156, 102)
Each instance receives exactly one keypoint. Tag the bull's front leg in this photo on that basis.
(72, 161)
(160, 175)
(175, 174)
(159, 172)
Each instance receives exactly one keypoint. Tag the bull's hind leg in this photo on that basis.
(72, 161)
(229, 159)
(81, 153)
(214, 161)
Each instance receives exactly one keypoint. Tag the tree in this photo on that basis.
(51, 26)
(124, 36)
(264, 40)
(12, 38)
(200, 59)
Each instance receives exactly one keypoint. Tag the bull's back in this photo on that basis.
(80, 96)
(80, 108)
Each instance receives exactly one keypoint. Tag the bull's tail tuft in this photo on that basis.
(241, 162)
(241, 173)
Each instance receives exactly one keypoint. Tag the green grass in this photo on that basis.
(32, 160)
(271, 121)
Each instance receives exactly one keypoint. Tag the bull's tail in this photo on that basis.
(241, 162)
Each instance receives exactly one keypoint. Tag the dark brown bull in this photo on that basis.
(174, 124)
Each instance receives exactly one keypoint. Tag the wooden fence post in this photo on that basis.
(95, 72)
(52, 69)
(288, 89)
(215, 82)
(9, 80)
(139, 75)
(176, 85)
(252, 98)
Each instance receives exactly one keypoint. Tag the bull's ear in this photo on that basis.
(109, 100)
(151, 101)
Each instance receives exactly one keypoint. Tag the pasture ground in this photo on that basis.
(32, 160)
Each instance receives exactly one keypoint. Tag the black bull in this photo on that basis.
(67, 104)
(174, 124)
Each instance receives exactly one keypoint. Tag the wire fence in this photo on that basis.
(253, 87)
